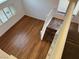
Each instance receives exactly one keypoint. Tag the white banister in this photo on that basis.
(58, 43)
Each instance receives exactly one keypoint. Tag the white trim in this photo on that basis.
(47, 21)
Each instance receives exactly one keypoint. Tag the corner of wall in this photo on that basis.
(19, 14)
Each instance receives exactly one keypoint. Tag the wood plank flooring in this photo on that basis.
(23, 40)
(71, 50)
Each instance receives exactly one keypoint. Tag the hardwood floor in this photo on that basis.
(23, 40)
(71, 50)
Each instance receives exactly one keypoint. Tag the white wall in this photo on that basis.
(38, 8)
(0, 23)
(19, 13)
(63, 4)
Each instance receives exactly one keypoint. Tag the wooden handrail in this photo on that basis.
(58, 43)
(4, 55)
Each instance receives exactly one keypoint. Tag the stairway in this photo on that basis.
(4, 55)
